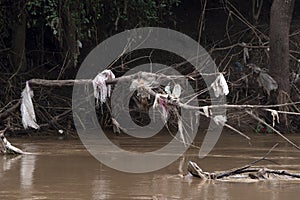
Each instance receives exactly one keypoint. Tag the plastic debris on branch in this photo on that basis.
(101, 90)
(220, 86)
(161, 100)
(138, 85)
(245, 52)
(264, 79)
(27, 110)
(267, 82)
(176, 91)
(220, 119)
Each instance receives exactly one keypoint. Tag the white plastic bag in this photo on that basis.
(267, 82)
(27, 110)
(220, 86)
(220, 119)
(101, 90)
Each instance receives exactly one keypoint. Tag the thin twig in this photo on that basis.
(277, 132)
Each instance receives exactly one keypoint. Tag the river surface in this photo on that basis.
(64, 169)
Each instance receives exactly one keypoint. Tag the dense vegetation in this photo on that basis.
(43, 38)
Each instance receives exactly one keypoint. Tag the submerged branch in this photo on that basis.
(6, 147)
(252, 172)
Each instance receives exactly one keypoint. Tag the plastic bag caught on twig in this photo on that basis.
(245, 52)
(27, 110)
(267, 82)
(139, 85)
(275, 116)
(220, 119)
(220, 86)
(101, 90)
(161, 101)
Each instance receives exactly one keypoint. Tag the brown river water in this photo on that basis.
(63, 169)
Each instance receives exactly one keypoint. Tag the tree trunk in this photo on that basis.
(18, 56)
(281, 16)
(69, 35)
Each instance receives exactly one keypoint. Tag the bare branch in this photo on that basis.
(277, 132)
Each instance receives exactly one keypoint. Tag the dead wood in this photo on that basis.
(6, 147)
(252, 172)
(153, 79)
(9, 111)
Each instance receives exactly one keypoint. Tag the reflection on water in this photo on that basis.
(26, 171)
(64, 170)
(8, 162)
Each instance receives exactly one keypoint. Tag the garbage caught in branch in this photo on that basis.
(27, 110)
(161, 100)
(139, 85)
(101, 90)
(220, 86)
(206, 111)
(275, 116)
(267, 82)
(264, 79)
(220, 119)
(176, 91)
(245, 52)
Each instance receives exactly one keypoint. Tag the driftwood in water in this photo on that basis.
(250, 172)
(247, 171)
(6, 147)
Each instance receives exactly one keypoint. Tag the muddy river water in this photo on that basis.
(63, 169)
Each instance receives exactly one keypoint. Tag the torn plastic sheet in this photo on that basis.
(267, 82)
(275, 116)
(245, 52)
(101, 90)
(168, 89)
(220, 86)
(206, 111)
(160, 100)
(27, 110)
(176, 91)
(139, 85)
(220, 119)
